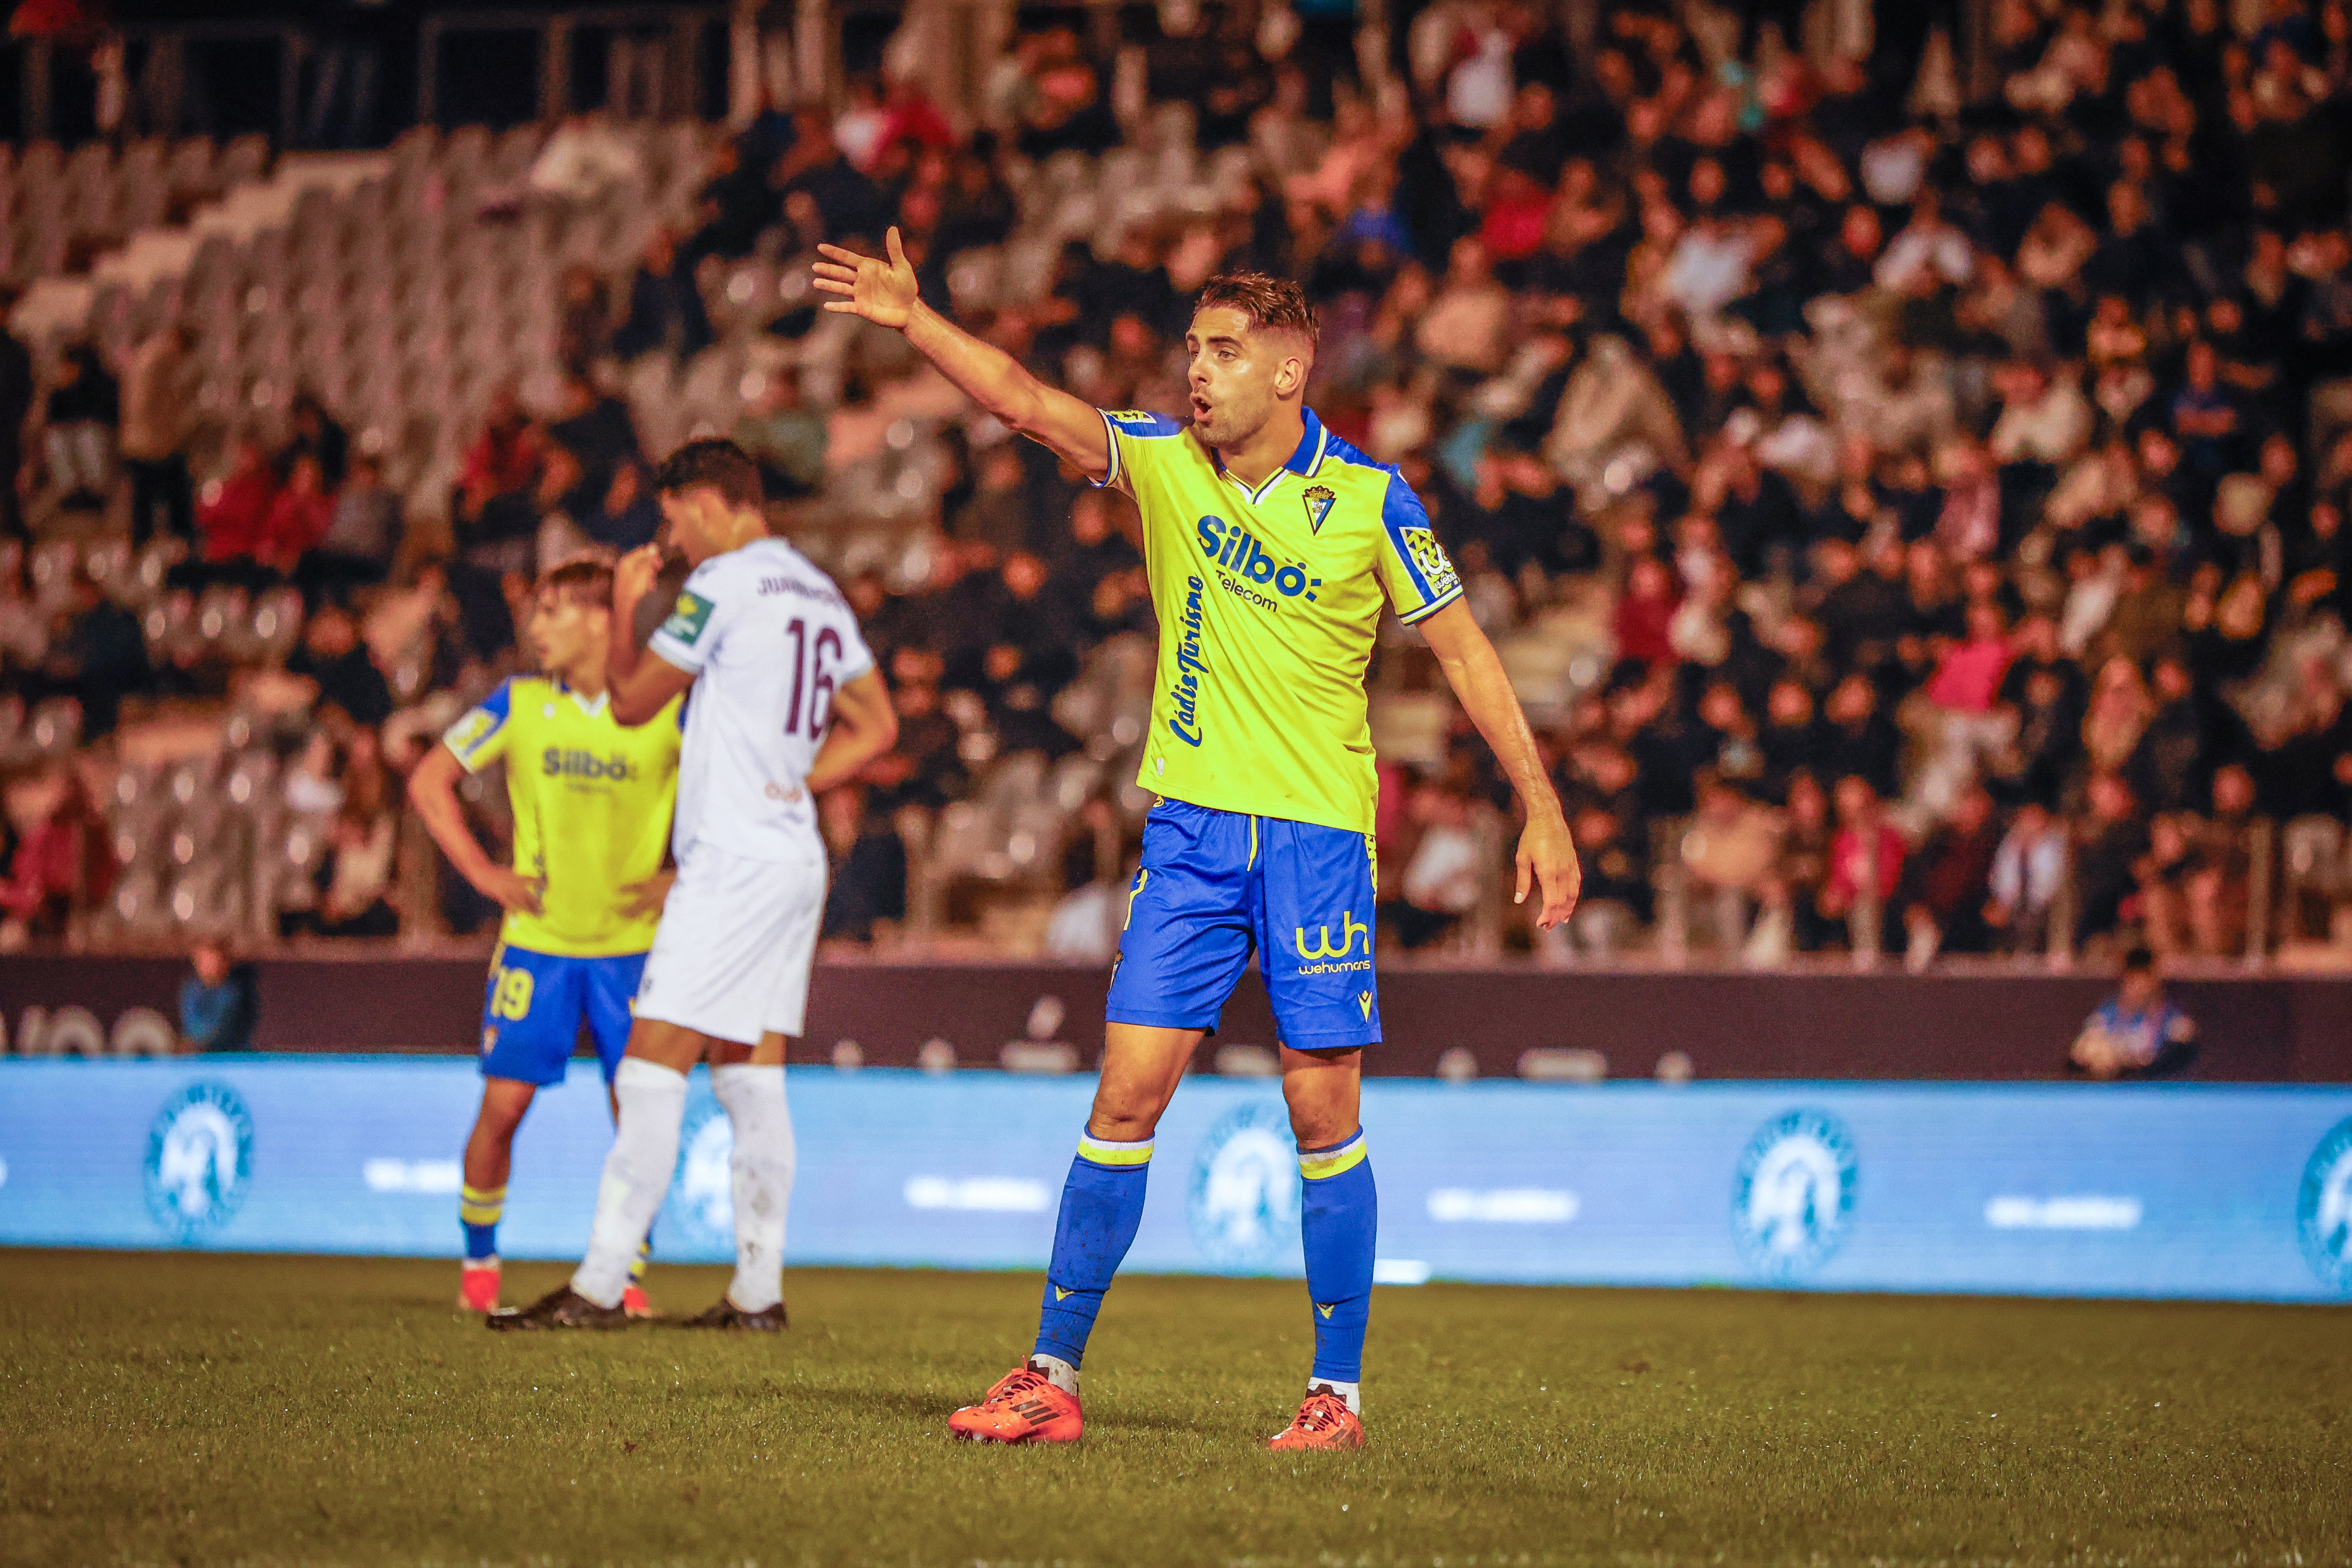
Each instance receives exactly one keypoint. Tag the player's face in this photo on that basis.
(1238, 374)
(565, 635)
(695, 522)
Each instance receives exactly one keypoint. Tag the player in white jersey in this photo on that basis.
(787, 703)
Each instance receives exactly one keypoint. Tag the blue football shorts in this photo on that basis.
(535, 1002)
(1216, 885)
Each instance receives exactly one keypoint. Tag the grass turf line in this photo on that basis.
(195, 1409)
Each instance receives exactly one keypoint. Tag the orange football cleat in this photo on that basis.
(1323, 1422)
(635, 1302)
(477, 1285)
(1023, 1407)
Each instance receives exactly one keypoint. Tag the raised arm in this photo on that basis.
(641, 683)
(1546, 854)
(884, 293)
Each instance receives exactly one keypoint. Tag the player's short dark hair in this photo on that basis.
(717, 462)
(1272, 304)
(584, 581)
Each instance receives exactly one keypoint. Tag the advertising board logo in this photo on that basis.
(1243, 1208)
(702, 1196)
(199, 1161)
(2322, 1212)
(1793, 1196)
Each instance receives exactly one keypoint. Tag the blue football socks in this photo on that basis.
(1102, 1204)
(478, 1209)
(1339, 1219)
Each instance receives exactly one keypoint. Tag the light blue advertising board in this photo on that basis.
(2184, 1191)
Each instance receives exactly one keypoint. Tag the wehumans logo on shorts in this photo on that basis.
(1793, 1199)
(1244, 1206)
(1331, 959)
(2323, 1211)
(199, 1161)
(1191, 669)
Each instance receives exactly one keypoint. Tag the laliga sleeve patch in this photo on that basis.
(687, 621)
(1430, 556)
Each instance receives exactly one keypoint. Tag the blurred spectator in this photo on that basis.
(1944, 883)
(217, 1010)
(314, 433)
(362, 537)
(2138, 1032)
(80, 417)
(17, 387)
(96, 655)
(337, 663)
(349, 891)
(666, 314)
(1441, 881)
(785, 437)
(1865, 868)
(2022, 886)
(299, 516)
(63, 862)
(158, 408)
(581, 159)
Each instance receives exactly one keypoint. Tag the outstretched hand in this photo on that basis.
(881, 291)
(1546, 859)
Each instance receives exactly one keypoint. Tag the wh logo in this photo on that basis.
(1349, 929)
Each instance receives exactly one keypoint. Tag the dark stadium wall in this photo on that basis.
(1730, 1025)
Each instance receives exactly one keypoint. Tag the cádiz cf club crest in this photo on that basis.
(1319, 501)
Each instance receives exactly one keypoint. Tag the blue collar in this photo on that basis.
(1305, 460)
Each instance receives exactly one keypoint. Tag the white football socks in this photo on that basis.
(764, 1160)
(652, 1102)
(1353, 1393)
(1058, 1372)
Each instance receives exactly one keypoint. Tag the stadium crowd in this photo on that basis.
(1916, 525)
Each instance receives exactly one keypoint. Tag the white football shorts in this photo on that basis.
(731, 958)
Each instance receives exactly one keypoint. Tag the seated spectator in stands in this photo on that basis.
(2162, 875)
(1645, 610)
(2109, 839)
(825, 188)
(361, 538)
(217, 1002)
(24, 623)
(2220, 888)
(626, 516)
(1944, 883)
(300, 515)
(997, 514)
(784, 436)
(1730, 851)
(584, 331)
(596, 428)
(64, 859)
(158, 417)
(337, 663)
(868, 879)
(233, 512)
(2022, 886)
(504, 457)
(354, 879)
(96, 655)
(2139, 1032)
(1617, 901)
(666, 314)
(1861, 740)
(1442, 880)
(1865, 868)
(80, 418)
(314, 433)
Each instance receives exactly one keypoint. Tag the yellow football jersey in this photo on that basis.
(1268, 602)
(592, 809)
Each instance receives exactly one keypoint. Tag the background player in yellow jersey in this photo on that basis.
(1272, 547)
(591, 811)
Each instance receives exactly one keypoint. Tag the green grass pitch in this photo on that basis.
(189, 1409)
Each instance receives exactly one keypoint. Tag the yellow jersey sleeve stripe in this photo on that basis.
(1324, 1163)
(1431, 609)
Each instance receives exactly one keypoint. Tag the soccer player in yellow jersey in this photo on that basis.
(592, 813)
(1272, 547)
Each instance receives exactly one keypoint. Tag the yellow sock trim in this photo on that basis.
(1322, 1166)
(1094, 1151)
(481, 1205)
